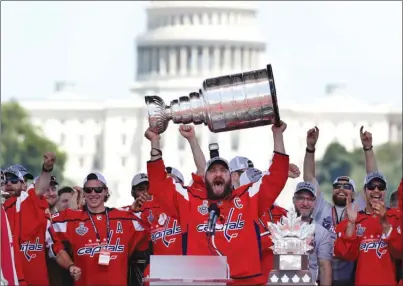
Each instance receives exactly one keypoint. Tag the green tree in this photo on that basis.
(337, 161)
(23, 143)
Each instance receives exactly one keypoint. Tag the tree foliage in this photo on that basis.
(337, 161)
(23, 143)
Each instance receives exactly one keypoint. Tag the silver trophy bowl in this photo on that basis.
(224, 103)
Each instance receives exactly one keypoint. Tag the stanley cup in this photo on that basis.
(224, 103)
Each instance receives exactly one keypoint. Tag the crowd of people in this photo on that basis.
(67, 236)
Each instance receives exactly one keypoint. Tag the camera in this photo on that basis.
(213, 147)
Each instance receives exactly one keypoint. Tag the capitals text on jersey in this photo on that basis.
(165, 233)
(28, 247)
(227, 227)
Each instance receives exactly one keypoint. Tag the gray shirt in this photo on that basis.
(323, 249)
(327, 215)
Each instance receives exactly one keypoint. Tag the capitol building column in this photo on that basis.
(183, 61)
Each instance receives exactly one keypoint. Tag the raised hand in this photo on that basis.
(351, 211)
(366, 138)
(151, 135)
(140, 200)
(187, 131)
(49, 160)
(279, 129)
(312, 137)
(293, 171)
(379, 209)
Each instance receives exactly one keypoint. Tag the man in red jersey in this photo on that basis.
(31, 224)
(274, 214)
(101, 238)
(237, 233)
(372, 237)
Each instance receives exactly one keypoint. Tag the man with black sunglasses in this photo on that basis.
(329, 215)
(101, 238)
(372, 237)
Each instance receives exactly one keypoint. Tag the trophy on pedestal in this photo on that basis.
(223, 103)
(292, 240)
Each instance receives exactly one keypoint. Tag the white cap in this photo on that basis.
(251, 175)
(239, 163)
(214, 160)
(345, 178)
(375, 175)
(307, 186)
(14, 171)
(139, 178)
(95, 176)
(176, 173)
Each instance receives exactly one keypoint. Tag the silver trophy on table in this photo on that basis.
(292, 240)
(224, 103)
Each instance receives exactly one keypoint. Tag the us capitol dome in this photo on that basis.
(186, 42)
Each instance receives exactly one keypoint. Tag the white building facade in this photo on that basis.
(185, 43)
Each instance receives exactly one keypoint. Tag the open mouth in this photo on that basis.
(93, 199)
(341, 195)
(376, 197)
(218, 183)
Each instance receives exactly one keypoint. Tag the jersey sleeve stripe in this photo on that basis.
(254, 189)
(21, 198)
(60, 226)
(182, 191)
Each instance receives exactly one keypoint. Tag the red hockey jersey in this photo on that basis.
(237, 230)
(372, 249)
(126, 233)
(274, 214)
(8, 263)
(32, 236)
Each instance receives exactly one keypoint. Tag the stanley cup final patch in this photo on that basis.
(81, 229)
(203, 208)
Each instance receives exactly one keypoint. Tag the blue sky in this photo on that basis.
(309, 44)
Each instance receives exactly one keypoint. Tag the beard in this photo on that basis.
(212, 196)
(340, 202)
(305, 215)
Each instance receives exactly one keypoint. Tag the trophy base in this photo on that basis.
(290, 277)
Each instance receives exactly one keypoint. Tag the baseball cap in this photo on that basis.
(251, 175)
(215, 160)
(239, 163)
(53, 180)
(139, 178)
(175, 172)
(14, 171)
(95, 176)
(23, 171)
(375, 175)
(345, 178)
(307, 186)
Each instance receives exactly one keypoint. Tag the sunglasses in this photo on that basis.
(12, 180)
(380, 187)
(342, 186)
(89, 190)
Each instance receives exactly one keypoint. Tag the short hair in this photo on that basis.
(65, 190)
(394, 197)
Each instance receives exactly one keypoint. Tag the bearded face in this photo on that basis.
(218, 181)
(341, 190)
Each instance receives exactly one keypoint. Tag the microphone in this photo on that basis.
(214, 213)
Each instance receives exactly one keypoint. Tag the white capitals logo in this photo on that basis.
(95, 248)
(229, 228)
(166, 234)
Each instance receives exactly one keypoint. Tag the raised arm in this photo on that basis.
(188, 132)
(42, 184)
(172, 197)
(266, 190)
(370, 159)
(309, 159)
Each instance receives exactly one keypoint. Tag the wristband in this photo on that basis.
(367, 149)
(46, 170)
(68, 268)
(159, 152)
(309, 150)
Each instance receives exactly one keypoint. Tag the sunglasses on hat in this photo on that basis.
(88, 190)
(372, 186)
(338, 186)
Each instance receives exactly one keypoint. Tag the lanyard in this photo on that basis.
(335, 217)
(107, 227)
